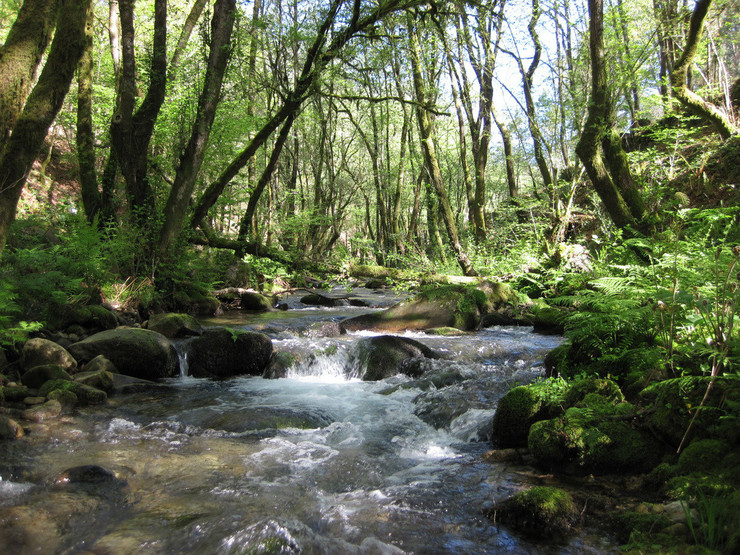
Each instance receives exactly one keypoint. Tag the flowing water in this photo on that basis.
(318, 462)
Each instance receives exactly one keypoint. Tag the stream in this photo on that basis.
(317, 462)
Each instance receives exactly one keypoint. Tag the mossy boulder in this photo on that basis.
(174, 325)
(15, 393)
(547, 319)
(139, 353)
(596, 438)
(224, 353)
(256, 302)
(384, 356)
(604, 388)
(86, 395)
(703, 455)
(65, 397)
(38, 375)
(39, 351)
(541, 512)
(91, 317)
(674, 403)
(458, 306)
(521, 406)
(517, 410)
(99, 379)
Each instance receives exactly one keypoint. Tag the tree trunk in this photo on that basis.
(91, 200)
(245, 226)
(505, 132)
(430, 155)
(319, 55)
(20, 57)
(688, 98)
(131, 133)
(192, 158)
(19, 152)
(598, 147)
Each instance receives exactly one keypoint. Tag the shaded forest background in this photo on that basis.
(235, 143)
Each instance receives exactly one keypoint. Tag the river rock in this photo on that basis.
(325, 329)
(517, 410)
(223, 353)
(174, 325)
(92, 317)
(592, 439)
(99, 379)
(38, 352)
(317, 299)
(139, 353)
(280, 363)
(251, 300)
(87, 395)
(38, 375)
(9, 428)
(100, 363)
(383, 356)
(85, 474)
(457, 306)
(15, 393)
(26, 529)
(40, 413)
(539, 512)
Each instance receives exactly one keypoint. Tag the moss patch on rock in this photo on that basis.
(541, 512)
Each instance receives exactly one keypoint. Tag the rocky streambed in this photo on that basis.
(318, 461)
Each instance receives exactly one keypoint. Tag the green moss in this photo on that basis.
(16, 393)
(702, 456)
(85, 394)
(64, 396)
(593, 387)
(520, 407)
(591, 439)
(625, 523)
(541, 511)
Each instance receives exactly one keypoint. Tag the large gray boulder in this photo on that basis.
(223, 353)
(384, 356)
(39, 352)
(139, 353)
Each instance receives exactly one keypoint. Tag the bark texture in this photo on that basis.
(19, 152)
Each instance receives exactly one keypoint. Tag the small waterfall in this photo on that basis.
(181, 348)
(325, 360)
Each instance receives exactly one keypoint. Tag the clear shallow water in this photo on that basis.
(318, 462)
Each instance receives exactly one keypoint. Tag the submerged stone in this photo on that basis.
(9, 428)
(384, 356)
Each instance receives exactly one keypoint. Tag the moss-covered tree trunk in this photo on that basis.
(91, 199)
(688, 98)
(18, 153)
(192, 158)
(599, 147)
(20, 57)
(430, 155)
(131, 132)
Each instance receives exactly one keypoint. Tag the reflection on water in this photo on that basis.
(318, 462)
